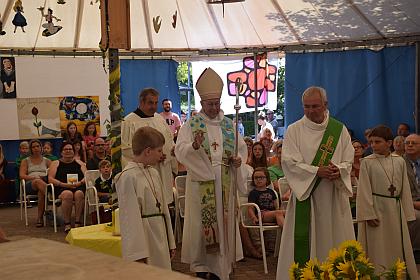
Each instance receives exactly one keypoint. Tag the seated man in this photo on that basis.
(412, 160)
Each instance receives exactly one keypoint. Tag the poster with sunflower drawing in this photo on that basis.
(38, 117)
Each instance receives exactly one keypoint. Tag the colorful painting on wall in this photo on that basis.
(38, 117)
(80, 110)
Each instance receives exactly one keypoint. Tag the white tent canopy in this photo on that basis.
(201, 26)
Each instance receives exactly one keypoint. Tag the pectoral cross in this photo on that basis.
(392, 189)
(326, 149)
(214, 145)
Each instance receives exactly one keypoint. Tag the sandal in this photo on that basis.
(67, 227)
(39, 223)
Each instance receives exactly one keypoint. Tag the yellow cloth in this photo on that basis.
(98, 238)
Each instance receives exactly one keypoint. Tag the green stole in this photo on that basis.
(210, 230)
(323, 156)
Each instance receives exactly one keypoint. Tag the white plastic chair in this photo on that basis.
(91, 194)
(50, 188)
(283, 189)
(24, 199)
(179, 197)
(261, 227)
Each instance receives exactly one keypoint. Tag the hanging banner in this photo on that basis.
(230, 69)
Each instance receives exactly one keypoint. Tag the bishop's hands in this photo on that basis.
(330, 172)
(198, 140)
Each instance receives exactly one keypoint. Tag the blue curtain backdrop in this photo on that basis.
(365, 88)
(137, 74)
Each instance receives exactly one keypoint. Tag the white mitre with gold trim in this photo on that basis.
(209, 85)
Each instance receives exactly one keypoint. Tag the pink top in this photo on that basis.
(172, 120)
(89, 141)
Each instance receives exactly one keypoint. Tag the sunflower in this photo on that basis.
(294, 272)
(399, 269)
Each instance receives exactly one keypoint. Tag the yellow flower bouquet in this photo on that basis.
(347, 262)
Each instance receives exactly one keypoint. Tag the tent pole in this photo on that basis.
(255, 95)
(114, 133)
(417, 88)
(189, 91)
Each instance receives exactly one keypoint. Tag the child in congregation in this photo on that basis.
(23, 153)
(71, 134)
(79, 152)
(89, 136)
(103, 183)
(146, 230)
(384, 205)
(47, 149)
(265, 198)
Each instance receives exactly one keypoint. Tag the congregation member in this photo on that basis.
(384, 205)
(71, 134)
(67, 175)
(171, 118)
(145, 115)
(264, 124)
(248, 141)
(265, 198)
(205, 146)
(276, 170)
(323, 185)
(79, 151)
(48, 151)
(89, 136)
(23, 153)
(99, 153)
(398, 145)
(403, 130)
(103, 183)
(33, 170)
(271, 118)
(258, 156)
(412, 160)
(146, 230)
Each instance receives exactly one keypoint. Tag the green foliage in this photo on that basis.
(182, 73)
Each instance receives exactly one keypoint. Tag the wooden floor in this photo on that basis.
(15, 229)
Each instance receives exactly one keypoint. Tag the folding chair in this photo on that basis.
(91, 194)
(261, 227)
(179, 197)
(24, 199)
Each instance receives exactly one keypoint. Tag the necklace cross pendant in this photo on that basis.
(392, 189)
(214, 145)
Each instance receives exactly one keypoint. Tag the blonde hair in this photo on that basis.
(146, 137)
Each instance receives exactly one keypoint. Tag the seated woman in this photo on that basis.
(67, 175)
(398, 144)
(34, 170)
(258, 156)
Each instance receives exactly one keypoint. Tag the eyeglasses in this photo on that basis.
(99, 145)
(357, 147)
(260, 177)
(410, 142)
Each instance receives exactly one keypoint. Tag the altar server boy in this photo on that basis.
(146, 230)
(384, 205)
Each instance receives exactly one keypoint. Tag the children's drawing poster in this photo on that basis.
(38, 117)
(80, 110)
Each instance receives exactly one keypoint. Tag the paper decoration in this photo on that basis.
(174, 18)
(8, 77)
(157, 22)
(61, 2)
(50, 28)
(19, 20)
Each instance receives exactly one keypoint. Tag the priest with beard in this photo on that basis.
(145, 115)
(206, 147)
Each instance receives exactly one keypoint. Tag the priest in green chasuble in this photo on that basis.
(317, 159)
(206, 147)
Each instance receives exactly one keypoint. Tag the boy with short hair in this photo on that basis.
(103, 183)
(145, 223)
(384, 206)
